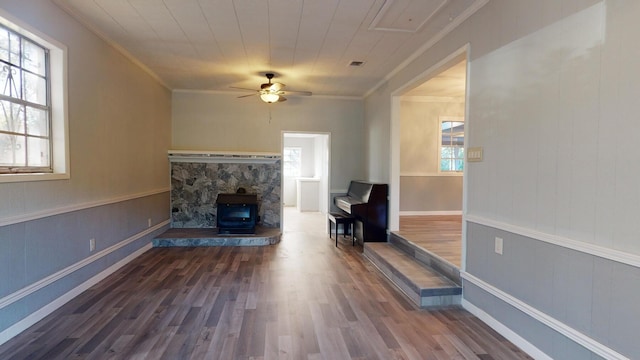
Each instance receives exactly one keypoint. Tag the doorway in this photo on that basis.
(429, 119)
(305, 172)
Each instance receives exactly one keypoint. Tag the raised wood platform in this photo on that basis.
(189, 237)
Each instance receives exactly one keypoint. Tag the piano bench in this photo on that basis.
(345, 220)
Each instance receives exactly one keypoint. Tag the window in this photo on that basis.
(451, 145)
(25, 112)
(292, 161)
(33, 121)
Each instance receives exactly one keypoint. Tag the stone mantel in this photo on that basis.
(216, 157)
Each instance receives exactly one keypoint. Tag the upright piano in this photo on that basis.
(368, 204)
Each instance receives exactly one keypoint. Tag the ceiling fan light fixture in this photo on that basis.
(269, 97)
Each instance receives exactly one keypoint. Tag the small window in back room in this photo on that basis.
(451, 144)
(291, 161)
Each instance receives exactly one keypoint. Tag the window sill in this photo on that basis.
(10, 178)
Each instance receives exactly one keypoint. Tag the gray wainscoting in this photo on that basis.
(592, 295)
(32, 251)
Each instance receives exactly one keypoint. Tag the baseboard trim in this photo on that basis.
(509, 334)
(562, 328)
(430, 213)
(28, 290)
(592, 249)
(76, 207)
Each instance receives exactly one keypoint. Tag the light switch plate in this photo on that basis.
(474, 154)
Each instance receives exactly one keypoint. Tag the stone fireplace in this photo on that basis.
(198, 177)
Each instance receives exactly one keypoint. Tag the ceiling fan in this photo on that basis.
(273, 92)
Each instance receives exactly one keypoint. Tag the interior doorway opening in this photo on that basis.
(305, 172)
(429, 118)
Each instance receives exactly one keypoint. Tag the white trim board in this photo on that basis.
(30, 289)
(76, 207)
(509, 334)
(592, 249)
(562, 328)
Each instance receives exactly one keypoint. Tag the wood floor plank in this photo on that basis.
(300, 299)
(440, 234)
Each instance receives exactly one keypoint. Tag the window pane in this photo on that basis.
(292, 161)
(12, 150)
(10, 81)
(452, 146)
(447, 152)
(11, 117)
(446, 139)
(34, 58)
(38, 152)
(445, 165)
(35, 89)
(4, 44)
(14, 48)
(37, 122)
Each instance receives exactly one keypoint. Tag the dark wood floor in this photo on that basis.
(440, 234)
(301, 299)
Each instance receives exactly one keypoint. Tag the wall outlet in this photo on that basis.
(498, 245)
(92, 244)
(149, 222)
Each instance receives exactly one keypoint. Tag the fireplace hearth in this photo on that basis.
(237, 213)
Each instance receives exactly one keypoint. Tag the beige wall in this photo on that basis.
(419, 134)
(119, 121)
(422, 188)
(222, 122)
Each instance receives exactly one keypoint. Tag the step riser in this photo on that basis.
(427, 258)
(420, 297)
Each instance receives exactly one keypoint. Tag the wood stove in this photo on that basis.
(237, 213)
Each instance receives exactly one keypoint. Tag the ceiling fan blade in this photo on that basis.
(299, 93)
(239, 88)
(244, 96)
(282, 98)
(277, 86)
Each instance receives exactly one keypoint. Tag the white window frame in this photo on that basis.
(442, 119)
(59, 136)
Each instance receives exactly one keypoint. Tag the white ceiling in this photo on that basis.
(308, 44)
